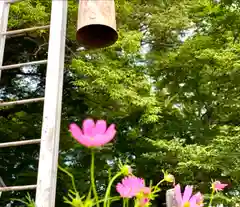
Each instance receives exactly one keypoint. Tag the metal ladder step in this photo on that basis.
(18, 188)
(32, 100)
(20, 143)
(19, 31)
(7, 67)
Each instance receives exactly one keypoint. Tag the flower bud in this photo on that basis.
(169, 177)
(126, 170)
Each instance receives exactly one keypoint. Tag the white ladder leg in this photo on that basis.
(48, 160)
(4, 12)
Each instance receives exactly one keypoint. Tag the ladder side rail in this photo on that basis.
(49, 147)
(170, 198)
(4, 12)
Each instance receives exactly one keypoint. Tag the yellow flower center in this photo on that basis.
(199, 203)
(187, 204)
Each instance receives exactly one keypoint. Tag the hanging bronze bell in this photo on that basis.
(96, 23)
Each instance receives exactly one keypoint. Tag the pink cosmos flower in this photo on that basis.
(199, 199)
(130, 186)
(93, 135)
(218, 186)
(185, 200)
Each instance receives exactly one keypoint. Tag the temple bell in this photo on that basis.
(96, 26)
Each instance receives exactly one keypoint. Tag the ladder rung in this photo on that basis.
(21, 101)
(20, 143)
(12, 1)
(19, 31)
(7, 67)
(17, 188)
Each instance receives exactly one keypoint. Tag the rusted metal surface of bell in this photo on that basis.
(96, 23)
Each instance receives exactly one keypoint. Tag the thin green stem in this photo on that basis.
(115, 198)
(135, 202)
(127, 202)
(109, 189)
(71, 176)
(211, 198)
(156, 186)
(161, 181)
(124, 202)
(93, 180)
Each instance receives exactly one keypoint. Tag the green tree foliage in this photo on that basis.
(170, 83)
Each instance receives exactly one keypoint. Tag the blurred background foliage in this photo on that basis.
(170, 84)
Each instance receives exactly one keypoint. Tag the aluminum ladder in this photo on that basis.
(49, 142)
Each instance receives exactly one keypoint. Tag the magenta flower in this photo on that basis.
(130, 186)
(93, 135)
(185, 200)
(218, 186)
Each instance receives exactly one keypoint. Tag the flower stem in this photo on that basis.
(71, 176)
(124, 202)
(155, 187)
(135, 203)
(161, 181)
(115, 198)
(93, 180)
(109, 189)
(211, 198)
